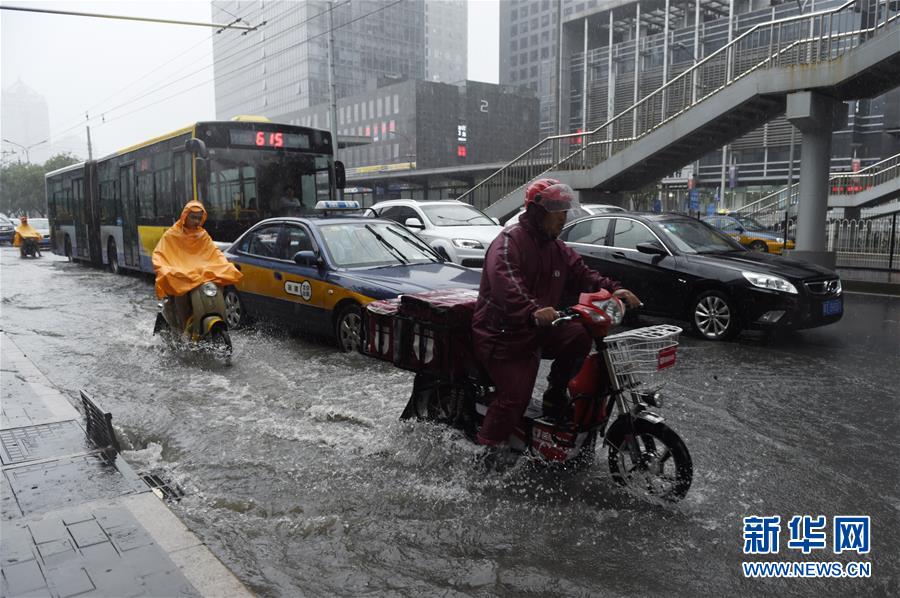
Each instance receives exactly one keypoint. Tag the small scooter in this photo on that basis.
(29, 247)
(200, 319)
(613, 396)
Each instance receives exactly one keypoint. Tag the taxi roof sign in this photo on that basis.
(338, 205)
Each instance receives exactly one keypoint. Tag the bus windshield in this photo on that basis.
(253, 184)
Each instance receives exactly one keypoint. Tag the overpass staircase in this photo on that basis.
(729, 93)
(870, 189)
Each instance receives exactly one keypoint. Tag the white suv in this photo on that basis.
(456, 230)
(588, 209)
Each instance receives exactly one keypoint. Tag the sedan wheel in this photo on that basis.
(759, 246)
(713, 317)
(234, 309)
(348, 328)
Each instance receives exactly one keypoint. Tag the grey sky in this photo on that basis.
(126, 74)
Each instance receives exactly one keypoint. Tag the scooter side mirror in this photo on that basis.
(306, 258)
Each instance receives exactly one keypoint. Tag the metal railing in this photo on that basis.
(844, 183)
(851, 183)
(801, 39)
(871, 243)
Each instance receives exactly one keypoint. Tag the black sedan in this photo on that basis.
(685, 269)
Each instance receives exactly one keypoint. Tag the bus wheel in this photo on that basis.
(68, 248)
(112, 256)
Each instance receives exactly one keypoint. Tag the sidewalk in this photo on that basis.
(74, 521)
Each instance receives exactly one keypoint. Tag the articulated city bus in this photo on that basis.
(112, 211)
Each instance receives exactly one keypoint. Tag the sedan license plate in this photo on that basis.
(833, 307)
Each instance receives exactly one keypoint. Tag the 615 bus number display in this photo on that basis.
(269, 139)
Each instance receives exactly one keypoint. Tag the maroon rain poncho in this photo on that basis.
(524, 271)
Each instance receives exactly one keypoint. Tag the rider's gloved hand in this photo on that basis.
(544, 316)
(630, 299)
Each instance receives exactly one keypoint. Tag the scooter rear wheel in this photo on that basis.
(650, 459)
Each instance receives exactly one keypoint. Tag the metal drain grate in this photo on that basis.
(162, 487)
(98, 426)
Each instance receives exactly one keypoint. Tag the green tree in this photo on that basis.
(22, 189)
(60, 161)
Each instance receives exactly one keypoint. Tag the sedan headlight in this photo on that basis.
(468, 243)
(210, 289)
(769, 281)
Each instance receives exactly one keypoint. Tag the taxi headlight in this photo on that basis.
(769, 281)
(614, 308)
(779, 240)
(210, 289)
(468, 243)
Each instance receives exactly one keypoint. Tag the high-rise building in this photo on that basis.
(529, 34)
(26, 124)
(283, 65)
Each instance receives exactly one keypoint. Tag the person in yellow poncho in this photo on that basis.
(26, 231)
(186, 257)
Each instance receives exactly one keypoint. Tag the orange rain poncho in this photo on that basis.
(24, 231)
(184, 259)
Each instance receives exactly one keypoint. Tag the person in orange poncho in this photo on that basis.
(26, 231)
(186, 256)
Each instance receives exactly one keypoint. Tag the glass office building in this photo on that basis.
(283, 65)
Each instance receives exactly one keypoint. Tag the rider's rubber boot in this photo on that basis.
(496, 458)
(556, 407)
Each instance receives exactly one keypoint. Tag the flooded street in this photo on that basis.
(302, 480)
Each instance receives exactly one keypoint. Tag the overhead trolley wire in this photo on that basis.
(232, 55)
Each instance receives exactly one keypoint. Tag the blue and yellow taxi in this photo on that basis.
(749, 233)
(316, 273)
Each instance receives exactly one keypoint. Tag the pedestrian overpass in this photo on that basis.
(870, 189)
(803, 66)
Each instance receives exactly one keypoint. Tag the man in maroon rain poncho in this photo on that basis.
(526, 271)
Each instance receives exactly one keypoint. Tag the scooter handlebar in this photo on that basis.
(564, 316)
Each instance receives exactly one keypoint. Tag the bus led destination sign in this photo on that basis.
(269, 139)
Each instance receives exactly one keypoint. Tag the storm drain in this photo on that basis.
(98, 426)
(161, 486)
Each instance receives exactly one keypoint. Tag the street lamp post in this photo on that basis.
(25, 148)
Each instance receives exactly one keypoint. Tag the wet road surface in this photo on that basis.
(301, 478)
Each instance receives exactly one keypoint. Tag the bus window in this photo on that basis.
(179, 187)
(250, 196)
(224, 187)
(108, 202)
(162, 183)
(145, 196)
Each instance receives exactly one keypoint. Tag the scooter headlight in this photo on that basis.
(614, 308)
(210, 289)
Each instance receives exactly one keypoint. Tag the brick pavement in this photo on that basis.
(77, 522)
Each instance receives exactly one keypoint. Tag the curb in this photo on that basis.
(870, 286)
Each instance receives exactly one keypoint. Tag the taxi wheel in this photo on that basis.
(759, 246)
(714, 317)
(348, 328)
(235, 314)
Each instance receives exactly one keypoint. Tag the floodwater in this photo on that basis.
(301, 478)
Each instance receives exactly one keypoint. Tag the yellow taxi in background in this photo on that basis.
(315, 274)
(749, 233)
